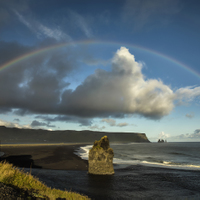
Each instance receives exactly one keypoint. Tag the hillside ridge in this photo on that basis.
(20, 136)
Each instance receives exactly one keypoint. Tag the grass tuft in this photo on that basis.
(11, 175)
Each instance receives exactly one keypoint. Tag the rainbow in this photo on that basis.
(82, 42)
(39, 51)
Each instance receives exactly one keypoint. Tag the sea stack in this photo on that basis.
(101, 158)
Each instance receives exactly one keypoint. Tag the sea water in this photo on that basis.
(182, 155)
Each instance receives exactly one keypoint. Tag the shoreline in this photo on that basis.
(64, 156)
(41, 144)
(59, 156)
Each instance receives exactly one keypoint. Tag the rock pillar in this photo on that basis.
(101, 158)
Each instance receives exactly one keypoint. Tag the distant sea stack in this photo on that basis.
(100, 160)
(24, 136)
(162, 141)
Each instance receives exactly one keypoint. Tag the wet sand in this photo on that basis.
(58, 167)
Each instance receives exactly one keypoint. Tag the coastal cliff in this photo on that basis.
(20, 136)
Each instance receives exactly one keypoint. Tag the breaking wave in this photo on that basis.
(124, 158)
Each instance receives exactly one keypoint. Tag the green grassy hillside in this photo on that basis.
(12, 176)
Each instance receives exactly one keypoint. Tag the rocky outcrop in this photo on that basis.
(161, 141)
(101, 158)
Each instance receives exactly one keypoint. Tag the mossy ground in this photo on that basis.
(12, 176)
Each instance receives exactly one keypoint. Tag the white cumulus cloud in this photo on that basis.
(123, 90)
(96, 127)
(122, 124)
(187, 94)
(112, 122)
(13, 125)
(163, 135)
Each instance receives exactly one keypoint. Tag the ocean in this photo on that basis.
(143, 171)
(182, 155)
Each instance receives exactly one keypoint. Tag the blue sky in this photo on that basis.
(126, 66)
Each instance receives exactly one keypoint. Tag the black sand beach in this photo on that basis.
(58, 167)
(57, 157)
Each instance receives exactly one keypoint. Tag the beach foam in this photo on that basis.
(172, 165)
(83, 152)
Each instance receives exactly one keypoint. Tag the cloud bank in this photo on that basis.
(112, 122)
(40, 86)
(195, 136)
(13, 125)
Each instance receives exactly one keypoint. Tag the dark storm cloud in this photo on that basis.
(11, 78)
(5, 110)
(12, 50)
(67, 119)
(34, 85)
(21, 112)
(36, 123)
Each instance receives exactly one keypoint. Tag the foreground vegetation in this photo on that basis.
(12, 176)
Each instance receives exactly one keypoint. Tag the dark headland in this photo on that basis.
(27, 136)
